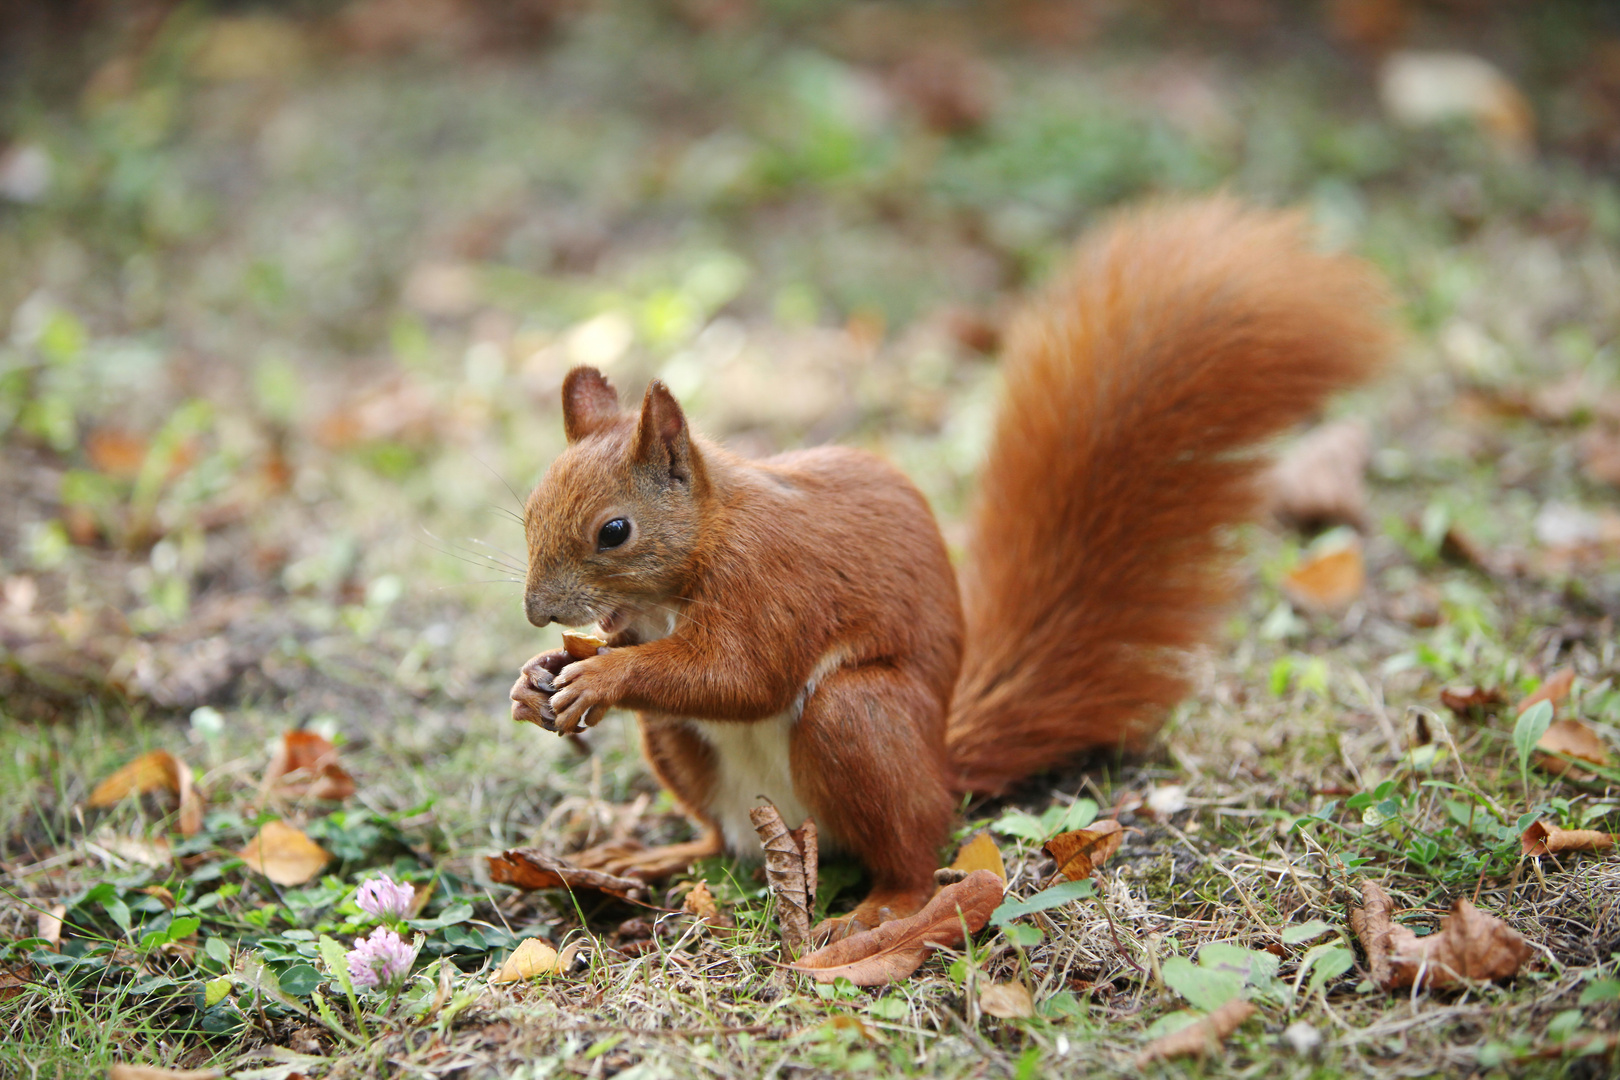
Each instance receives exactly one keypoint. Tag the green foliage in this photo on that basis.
(1053, 820)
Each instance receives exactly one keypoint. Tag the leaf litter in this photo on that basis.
(1470, 946)
(895, 949)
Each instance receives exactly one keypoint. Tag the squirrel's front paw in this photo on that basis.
(532, 693)
(582, 698)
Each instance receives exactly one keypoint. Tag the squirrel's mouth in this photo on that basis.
(612, 622)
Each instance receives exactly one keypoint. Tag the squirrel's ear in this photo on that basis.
(588, 402)
(662, 438)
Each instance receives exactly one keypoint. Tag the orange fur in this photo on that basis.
(1137, 391)
(804, 606)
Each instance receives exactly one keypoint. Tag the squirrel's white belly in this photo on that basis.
(754, 758)
(751, 759)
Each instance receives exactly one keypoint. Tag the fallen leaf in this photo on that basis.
(1199, 1037)
(1328, 582)
(531, 868)
(1079, 853)
(153, 771)
(791, 859)
(1554, 689)
(898, 947)
(1575, 738)
(49, 926)
(1463, 699)
(305, 764)
(848, 1022)
(1010, 1001)
(14, 978)
(700, 901)
(157, 1072)
(163, 896)
(1470, 945)
(284, 854)
(980, 853)
(1321, 481)
(1543, 839)
(115, 452)
(531, 957)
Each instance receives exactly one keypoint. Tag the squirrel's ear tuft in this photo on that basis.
(589, 403)
(662, 438)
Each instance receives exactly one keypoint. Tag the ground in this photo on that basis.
(291, 292)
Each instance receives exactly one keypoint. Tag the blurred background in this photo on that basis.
(287, 291)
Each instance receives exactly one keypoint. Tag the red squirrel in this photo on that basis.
(793, 628)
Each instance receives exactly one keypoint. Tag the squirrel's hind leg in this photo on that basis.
(868, 758)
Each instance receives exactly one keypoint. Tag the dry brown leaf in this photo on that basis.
(1327, 582)
(850, 1022)
(1555, 688)
(49, 926)
(898, 947)
(980, 853)
(154, 770)
(164, 896)
(531, 957)
(1010, 1001)
(115, 452)
(1470, 945)
(306, 764)
(791, 859)
(1199, 1037)
(1320, 481)
(531, 868)
(1543, 839)
(14, 978)
(1462, 699)
(1575, 738)
(700, 901)
(1079, 853)
(157, 1072)
(284, 854)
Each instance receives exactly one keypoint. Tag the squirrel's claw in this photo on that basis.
(577, 702)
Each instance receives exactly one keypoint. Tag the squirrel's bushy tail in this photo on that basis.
(1139, 392)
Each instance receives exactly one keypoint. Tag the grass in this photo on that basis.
(277, 338)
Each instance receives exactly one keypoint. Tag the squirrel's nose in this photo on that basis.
(536, 611)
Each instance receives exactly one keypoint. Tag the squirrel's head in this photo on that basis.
(612, 527)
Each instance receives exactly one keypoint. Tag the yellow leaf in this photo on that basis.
(156, 770)
(980, 853)
(1010, 1001)
(1327, 582)
(152, 771)
(532, 957)
(284, 854)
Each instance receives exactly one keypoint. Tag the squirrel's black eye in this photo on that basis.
(613, 534)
